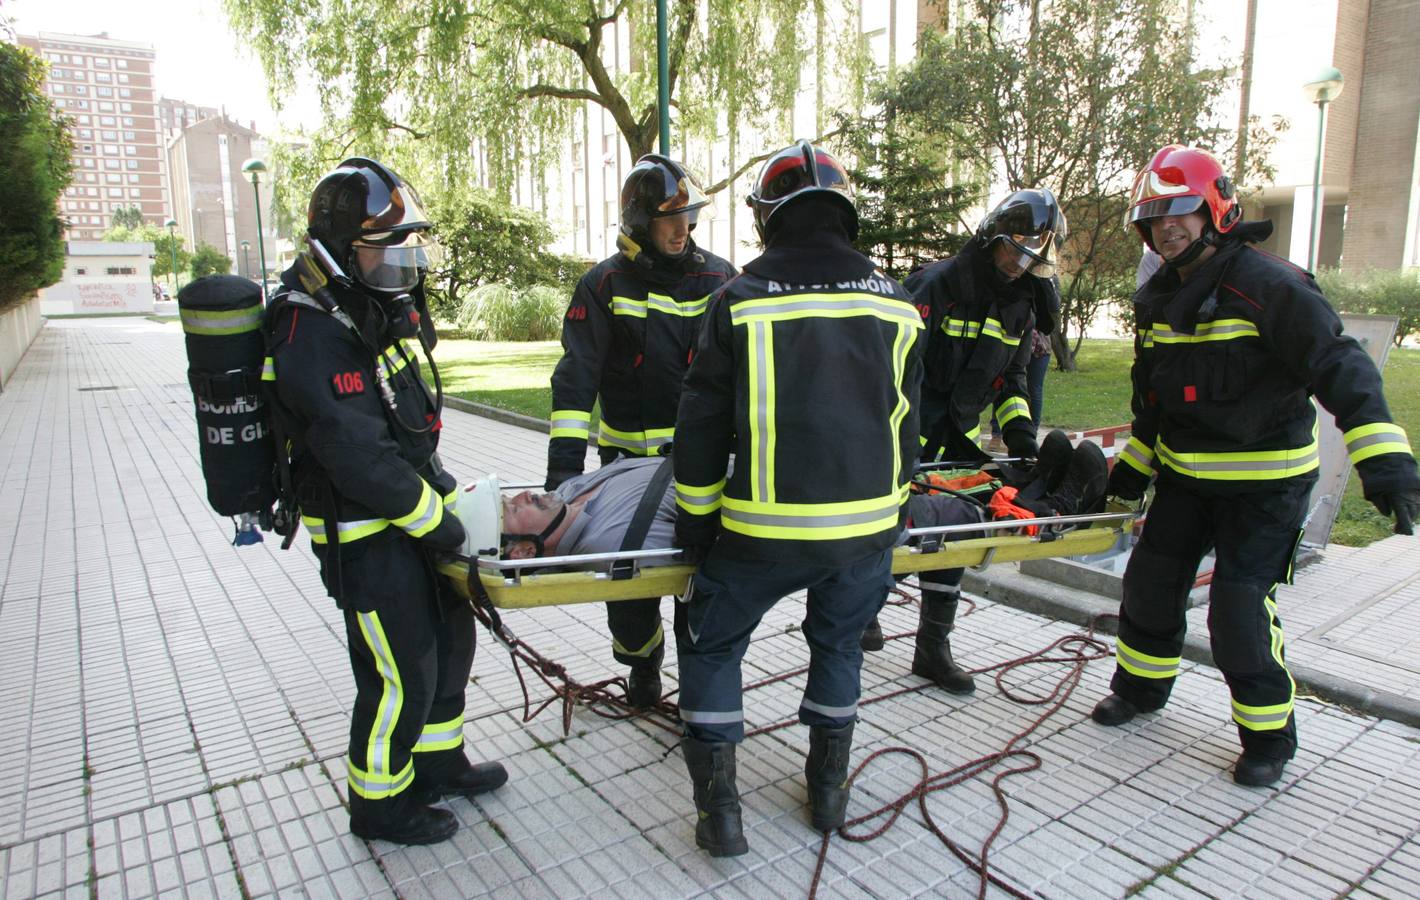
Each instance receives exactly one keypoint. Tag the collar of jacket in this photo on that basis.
(659, 270)
(818, 254)
(1180, 302)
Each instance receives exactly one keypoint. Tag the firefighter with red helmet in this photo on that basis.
(807, 370)
(1231, 346)
(627, 339)
(346, 333)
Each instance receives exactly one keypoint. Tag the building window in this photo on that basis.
(130, 163)
(105, 106)
(101, 62)
(134, 192)
(109, 135)
(116, 192)
(106, 120)
(121, 63)
(80, 270)
(122, 79)
(125, 107)
(103, 78)
(130, 135)
(110, 149)
(112, 178)
(88, 148)
(101, 91)
(61, 88)
(132, 179)
(124, 92)
(86, 132)
(128, 120)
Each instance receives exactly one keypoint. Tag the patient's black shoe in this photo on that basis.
(872, 639)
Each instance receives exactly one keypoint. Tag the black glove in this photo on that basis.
(448, 535)
(1404, 505)
(693, 554)
(1021, 444)
(1127, 482)
(557, 476)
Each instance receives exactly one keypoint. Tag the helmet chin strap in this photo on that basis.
(539, 541)
(1209, 238)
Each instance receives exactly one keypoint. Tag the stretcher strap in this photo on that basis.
(478, 595)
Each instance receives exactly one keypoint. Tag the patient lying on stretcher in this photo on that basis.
(592, 513)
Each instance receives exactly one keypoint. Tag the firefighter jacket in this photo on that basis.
(627, 337)
(358, 473)
(807, 370)
(978, 346)
(1226, 365)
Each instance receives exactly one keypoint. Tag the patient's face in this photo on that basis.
(529, 513)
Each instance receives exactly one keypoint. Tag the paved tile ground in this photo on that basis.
(177, 711)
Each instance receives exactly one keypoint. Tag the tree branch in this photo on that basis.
(756, 160)
(561, 93)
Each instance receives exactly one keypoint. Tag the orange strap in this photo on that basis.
(958, 482)
(1002, 508)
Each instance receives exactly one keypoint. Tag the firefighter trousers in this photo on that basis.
(637, 635)
(1254, 536)
(728, 598)
(411, 645)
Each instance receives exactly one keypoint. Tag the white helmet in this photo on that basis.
(480, 509)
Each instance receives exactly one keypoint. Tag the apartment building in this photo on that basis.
(212, 201)
(106, 87)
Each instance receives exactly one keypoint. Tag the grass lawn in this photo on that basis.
(514, 376)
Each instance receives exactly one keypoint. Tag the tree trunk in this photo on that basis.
(1060, 349)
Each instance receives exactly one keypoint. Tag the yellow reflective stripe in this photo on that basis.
(1252, 465)
(962, 328)
(1375, 439)
(823, 306)
(1144, 665)
(975, 433)
(1011, 408)
(379, 744)
(441, 736)
(1146, 338)
(451, 497)
(214, 322)
(268, 369)
(813, 521)
(349, 531)
(571, 423)
(646, 649)
(994, 329)
(391, 360)
(1138, 455)
(1262, 718)
(1217, 330)
(699, 501)
(378, 788)
(687, 309)
(427, 514)
(626, 306)
(900, 349)
(645, 442)
(761, 424)
(1278, 647)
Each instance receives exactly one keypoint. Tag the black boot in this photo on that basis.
(449, 773)
(643, 686)
(1052, 460)
(872, 638)
(400, 819)
(1082, 490)
(718, 830)
(1256, 770)
(932, 658)
(1114, 710)
(826, 771)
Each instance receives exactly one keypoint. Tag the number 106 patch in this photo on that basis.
(348, 384)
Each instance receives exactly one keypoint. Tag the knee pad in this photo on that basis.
(1156, 588)
(1240, 628)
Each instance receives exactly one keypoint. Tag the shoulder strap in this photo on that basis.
(646, 509)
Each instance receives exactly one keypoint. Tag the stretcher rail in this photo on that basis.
(512, 584)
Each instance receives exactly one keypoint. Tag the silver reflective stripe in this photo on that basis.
(863, 303)
(944, 588)
(1251, 718)
(578, 424)
(1370, 440)
(431, 509)
(1126, 655)
(317, 526)
(688, 309)
(763, 396)
(710, 717)
(692, 500)
(809, 520)
(833, 712)
(1299, 463)
(628, 307)
(393, 697)
(453, 733)
(1135, 451)
(218, 322)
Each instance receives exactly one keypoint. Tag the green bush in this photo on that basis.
(500, 312)
(1376, 292)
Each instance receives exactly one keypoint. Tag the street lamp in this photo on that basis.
(253, 169)
(246, 260)
(172, 245)
(1321, 90)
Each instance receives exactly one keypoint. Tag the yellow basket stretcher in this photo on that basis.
(626, 576)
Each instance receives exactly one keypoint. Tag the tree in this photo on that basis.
(1076, 96)
(508, 76)
(208, 260)
(165, 245)
(128, 217)
(35, 168)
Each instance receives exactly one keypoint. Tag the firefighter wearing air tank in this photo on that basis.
(980, 308)
(627, 337)
(1231, 345)
(350, 341)
(807, 370)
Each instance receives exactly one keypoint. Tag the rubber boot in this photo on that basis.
(872, 639)
(932, 658)
(826, 771)
(718, 829)
(1082, 490)
(1053, 459)
(449, 773)
(400, 819)
(643, 686)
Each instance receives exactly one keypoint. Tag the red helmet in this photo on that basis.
(1180, 180)
(796, 171)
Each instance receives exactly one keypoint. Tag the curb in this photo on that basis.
(1045, 598)
(498, 415)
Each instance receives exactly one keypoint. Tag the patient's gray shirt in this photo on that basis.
(602, 525)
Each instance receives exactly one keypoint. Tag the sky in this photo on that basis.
(199, 60)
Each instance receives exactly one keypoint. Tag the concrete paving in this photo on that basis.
(177, 710)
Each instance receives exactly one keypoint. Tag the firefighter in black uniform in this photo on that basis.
(981, 308)
(347, 330)
(627, 339)
(1231, 344)
(807, 370)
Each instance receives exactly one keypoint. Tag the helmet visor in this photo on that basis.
(1037, 252)
(684, 196)
(1164, 206)
(391, 208)
(396, 265)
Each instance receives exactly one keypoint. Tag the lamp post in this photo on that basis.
(172, 245)
(253, 168)
(246, 260)
(1321, 90)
